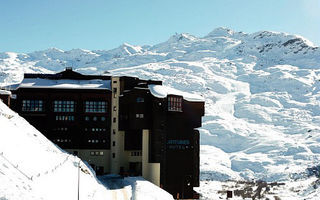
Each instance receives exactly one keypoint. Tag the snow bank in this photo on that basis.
(5, 92)
(65, 83)
(133, 188)
(161, 91)
(31, 167)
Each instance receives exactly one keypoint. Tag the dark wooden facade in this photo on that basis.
(173, 141)
(69, 130)
(5, 97)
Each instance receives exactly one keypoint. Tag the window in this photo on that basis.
(62, 140)
(93, 141)
(96, 106)
(32, 105)
(113, 155)
(103, 119)
(60, 129)
(140, 100)
(114, 92)
(123, 117)
(113, 143)
(140, 115)
(175, 103)
(136, 153)
(114, 120)
(96, 129)
(96, 153)
(63, 106)
(64, 118)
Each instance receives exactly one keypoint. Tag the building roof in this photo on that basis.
(67, 74)
(69, 79)
(65, 83)
(161, 91)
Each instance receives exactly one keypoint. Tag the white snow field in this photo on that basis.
(31, 167)
(262, 93)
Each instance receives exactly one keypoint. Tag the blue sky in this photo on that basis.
(29, 25)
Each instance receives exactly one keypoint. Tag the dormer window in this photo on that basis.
(175, 103)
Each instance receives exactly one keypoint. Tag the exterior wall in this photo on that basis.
(46, 122)
(94, 160)
(135, 114)
(133, 158)
(117, 154)
(150, 171)
(173, 143)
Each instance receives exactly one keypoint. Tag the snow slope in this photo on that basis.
(262, 93)
(31, 167)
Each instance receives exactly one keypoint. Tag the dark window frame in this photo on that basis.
(32, 105)
(140, 100)
(175, 103)
(66, 106)
(91, 106)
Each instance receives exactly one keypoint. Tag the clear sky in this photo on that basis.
(28, 25)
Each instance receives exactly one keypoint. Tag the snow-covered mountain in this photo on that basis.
(262, 94)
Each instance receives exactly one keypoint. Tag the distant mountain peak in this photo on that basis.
(125, 50)
(52, 49)
(79, 51)
(131, 49)
(182, 37)
(306, 41)
(221, 32)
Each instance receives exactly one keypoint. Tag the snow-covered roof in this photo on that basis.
(161, 91)
(5, 92)
(65, 83)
